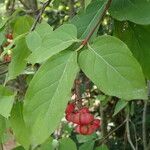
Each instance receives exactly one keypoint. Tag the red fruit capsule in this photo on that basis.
(77, 129)
(96, 122)
(86, 118)
(82, 118)
(70, 108)
(85, 129)
(76, 118)
(69, 117)
(91, 130)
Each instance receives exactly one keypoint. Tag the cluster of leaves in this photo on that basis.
(118, 65)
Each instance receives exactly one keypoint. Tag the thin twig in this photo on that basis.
(95, 27)
(144, 125)
(135, 135)
(40, 14)
(128, 132)
(110, 133)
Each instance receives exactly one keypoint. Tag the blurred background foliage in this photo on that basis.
(58, 12)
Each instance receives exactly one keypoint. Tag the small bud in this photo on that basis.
(69, 117)
(84, 110)
(9, 36)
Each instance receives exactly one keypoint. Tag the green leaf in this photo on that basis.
(36, 38)
(22, 25)
(51, 43)
(57, 3)
(86, 20)
(103, 147)
(48, 94)
(66, 144)
(85, 138)
(119, 106)
(6, 101)
(87, 2)
(18, 63)
(2, 22)
(2, 35)
(47, 145)
(19, 128)
(137, 39)
(110, 65)
(133, 10)
(87, 146)
(2, 126)
(18, 148)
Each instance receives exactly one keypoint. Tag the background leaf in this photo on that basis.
(2, 36)
(18, 62)
(102, 147)
(66, 144)
(119, 106)
(87, 2)
(22, 25)
(86, 20)
(52, 43)
(48, 94)
(2, 126)
(137, 39)
(87, 145)
(85, 138)
(136, 11)
(35, 38)
(108, 58)
(20, 130)
(6, 101)
(18, 148)
(46, 145)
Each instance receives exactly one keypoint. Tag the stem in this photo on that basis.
(144, 125)
(78, 93)
(40, 14)
(135, 135)
(128, 132)
(94, 29)
(103, 121)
